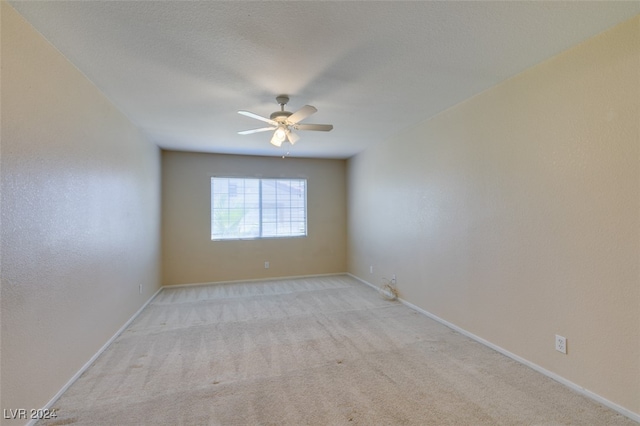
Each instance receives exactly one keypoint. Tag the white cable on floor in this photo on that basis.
(388, 291)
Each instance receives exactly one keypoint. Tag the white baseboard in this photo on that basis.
(94, 357)
(589, 394)
(252, 280)
(363, 281)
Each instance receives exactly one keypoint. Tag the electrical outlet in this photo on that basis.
(371, 269)
(561, 344)
(393, 279)
(266, 265)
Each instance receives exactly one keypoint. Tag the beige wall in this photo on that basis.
(516, 214)
(189, 255)
(80, 228)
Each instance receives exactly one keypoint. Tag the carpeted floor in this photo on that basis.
(315, 351)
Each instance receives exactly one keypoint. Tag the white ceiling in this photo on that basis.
(180, 70)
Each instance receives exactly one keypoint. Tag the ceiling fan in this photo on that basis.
(283, 122)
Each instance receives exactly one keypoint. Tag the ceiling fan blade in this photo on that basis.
(249, 132)
(258, 117)
(319, 127)
(301, 114)
(293, 138)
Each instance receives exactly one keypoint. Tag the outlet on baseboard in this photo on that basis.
(561, 344)
(266, 264)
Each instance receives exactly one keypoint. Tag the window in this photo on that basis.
(247, 208)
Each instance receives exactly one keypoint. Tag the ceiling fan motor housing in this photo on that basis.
(280, 116)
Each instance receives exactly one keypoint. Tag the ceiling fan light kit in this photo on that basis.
(278, 136)
(282, 122)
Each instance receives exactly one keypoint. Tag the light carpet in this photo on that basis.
(313, 351)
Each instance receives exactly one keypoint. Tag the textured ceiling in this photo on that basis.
(181, 70)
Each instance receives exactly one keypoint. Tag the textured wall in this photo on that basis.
(516, 214)
(189, 255)
(80, 208)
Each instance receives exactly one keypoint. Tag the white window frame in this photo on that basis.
(266, 208)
